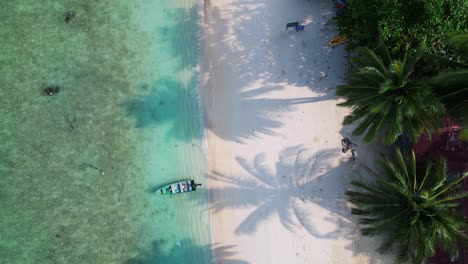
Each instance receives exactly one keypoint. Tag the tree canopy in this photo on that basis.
(400, 23)
(413, 210)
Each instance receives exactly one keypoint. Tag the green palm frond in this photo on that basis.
(366, 57)
(459, 44)
(413, 210)
(460, 41)
(385, 55)
(411, 61)
(451, 86)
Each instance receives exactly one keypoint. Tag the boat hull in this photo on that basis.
(177, 187)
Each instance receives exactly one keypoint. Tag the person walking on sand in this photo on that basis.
(346, 145)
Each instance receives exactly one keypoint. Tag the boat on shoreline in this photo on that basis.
(178, 187)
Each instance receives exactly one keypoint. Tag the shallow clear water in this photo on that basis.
(77, 168)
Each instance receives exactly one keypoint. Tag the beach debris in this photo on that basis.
(337, 40)
(50, 90)
(323, 75)
(178, 244)
(69, 15)
(295, 25)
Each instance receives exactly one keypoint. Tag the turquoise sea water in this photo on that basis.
(77, 169)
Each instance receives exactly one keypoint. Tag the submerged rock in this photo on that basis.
(69, 15)
(50, 90)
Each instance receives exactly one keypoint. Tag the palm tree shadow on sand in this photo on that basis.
(251, 84)
(302, 180)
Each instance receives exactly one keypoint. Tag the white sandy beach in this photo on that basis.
(277, 174)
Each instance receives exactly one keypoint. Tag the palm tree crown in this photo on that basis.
(385, 95)
(414, 211)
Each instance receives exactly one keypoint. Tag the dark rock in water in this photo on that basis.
(50, 90)
(69, 15)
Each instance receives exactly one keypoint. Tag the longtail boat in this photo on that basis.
(179, 187)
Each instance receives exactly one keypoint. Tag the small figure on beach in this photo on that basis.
(346, 145)
(453, 139)
(323, 75)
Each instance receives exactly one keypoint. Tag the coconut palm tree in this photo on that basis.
(413, 210)
(386, 95)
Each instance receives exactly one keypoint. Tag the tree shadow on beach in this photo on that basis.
(185, 251)
(160, 104)
(256, 116)
(302, 181)
(225, 254)
(252, 59)
(301, 178)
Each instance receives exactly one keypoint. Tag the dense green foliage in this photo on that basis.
(387, 96)
(398, 87)
(414, 210)
(399, 23)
